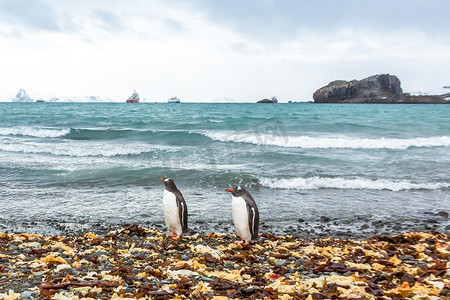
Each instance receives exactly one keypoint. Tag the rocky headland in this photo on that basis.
(381, 88)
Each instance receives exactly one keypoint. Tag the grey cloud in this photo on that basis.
(243, 48)
(173, 26)
(32, 14)
(109, 20)
(279, 19)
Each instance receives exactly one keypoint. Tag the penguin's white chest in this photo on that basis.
(240, 218)
(171, 215)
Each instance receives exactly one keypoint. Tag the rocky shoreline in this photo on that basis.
(136, 262)
(357, 227)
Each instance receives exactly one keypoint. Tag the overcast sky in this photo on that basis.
(202, 50)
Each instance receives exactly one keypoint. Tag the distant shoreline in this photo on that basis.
(193, 102)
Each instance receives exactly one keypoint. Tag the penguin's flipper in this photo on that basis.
(253, 221)
(182, 212)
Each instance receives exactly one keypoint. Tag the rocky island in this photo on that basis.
(273, 100)
(381, 88)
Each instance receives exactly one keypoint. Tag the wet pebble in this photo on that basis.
(206, 279)
(325, 219)
(406, 257)
(291, 270)
(67, 271)
(443, 214)
(420, 228)
(347, 273)
(281, 262)
(150, 245)
(165, 281)
(26, 285)
(98, 253)
(29, 295)
(229, 264)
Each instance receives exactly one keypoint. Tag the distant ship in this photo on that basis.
(40, 101)
(173, 100)
(134, 98)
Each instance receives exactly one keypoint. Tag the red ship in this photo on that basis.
(134, 98)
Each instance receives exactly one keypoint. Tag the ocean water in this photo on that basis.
(319, 169)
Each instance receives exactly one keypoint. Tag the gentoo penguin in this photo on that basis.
(245, 214)
(175, 209)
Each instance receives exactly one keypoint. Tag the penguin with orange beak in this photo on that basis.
(245, 214)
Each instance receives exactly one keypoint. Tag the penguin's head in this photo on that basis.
(169, 183)
(237, 191)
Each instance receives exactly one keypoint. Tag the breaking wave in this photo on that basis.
(79, 150)
(327, 142)
(35, 132)
(314, 183)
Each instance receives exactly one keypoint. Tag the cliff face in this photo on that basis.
(382, 88)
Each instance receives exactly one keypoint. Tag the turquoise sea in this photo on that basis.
(313, 169)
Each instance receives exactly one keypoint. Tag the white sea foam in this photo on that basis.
(34, 131)
(283, 140)
(80, 150)
(314, 183)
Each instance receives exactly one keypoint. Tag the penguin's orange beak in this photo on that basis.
(228, 190)
(161, 179)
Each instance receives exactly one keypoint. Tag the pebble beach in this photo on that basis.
(134, 262)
